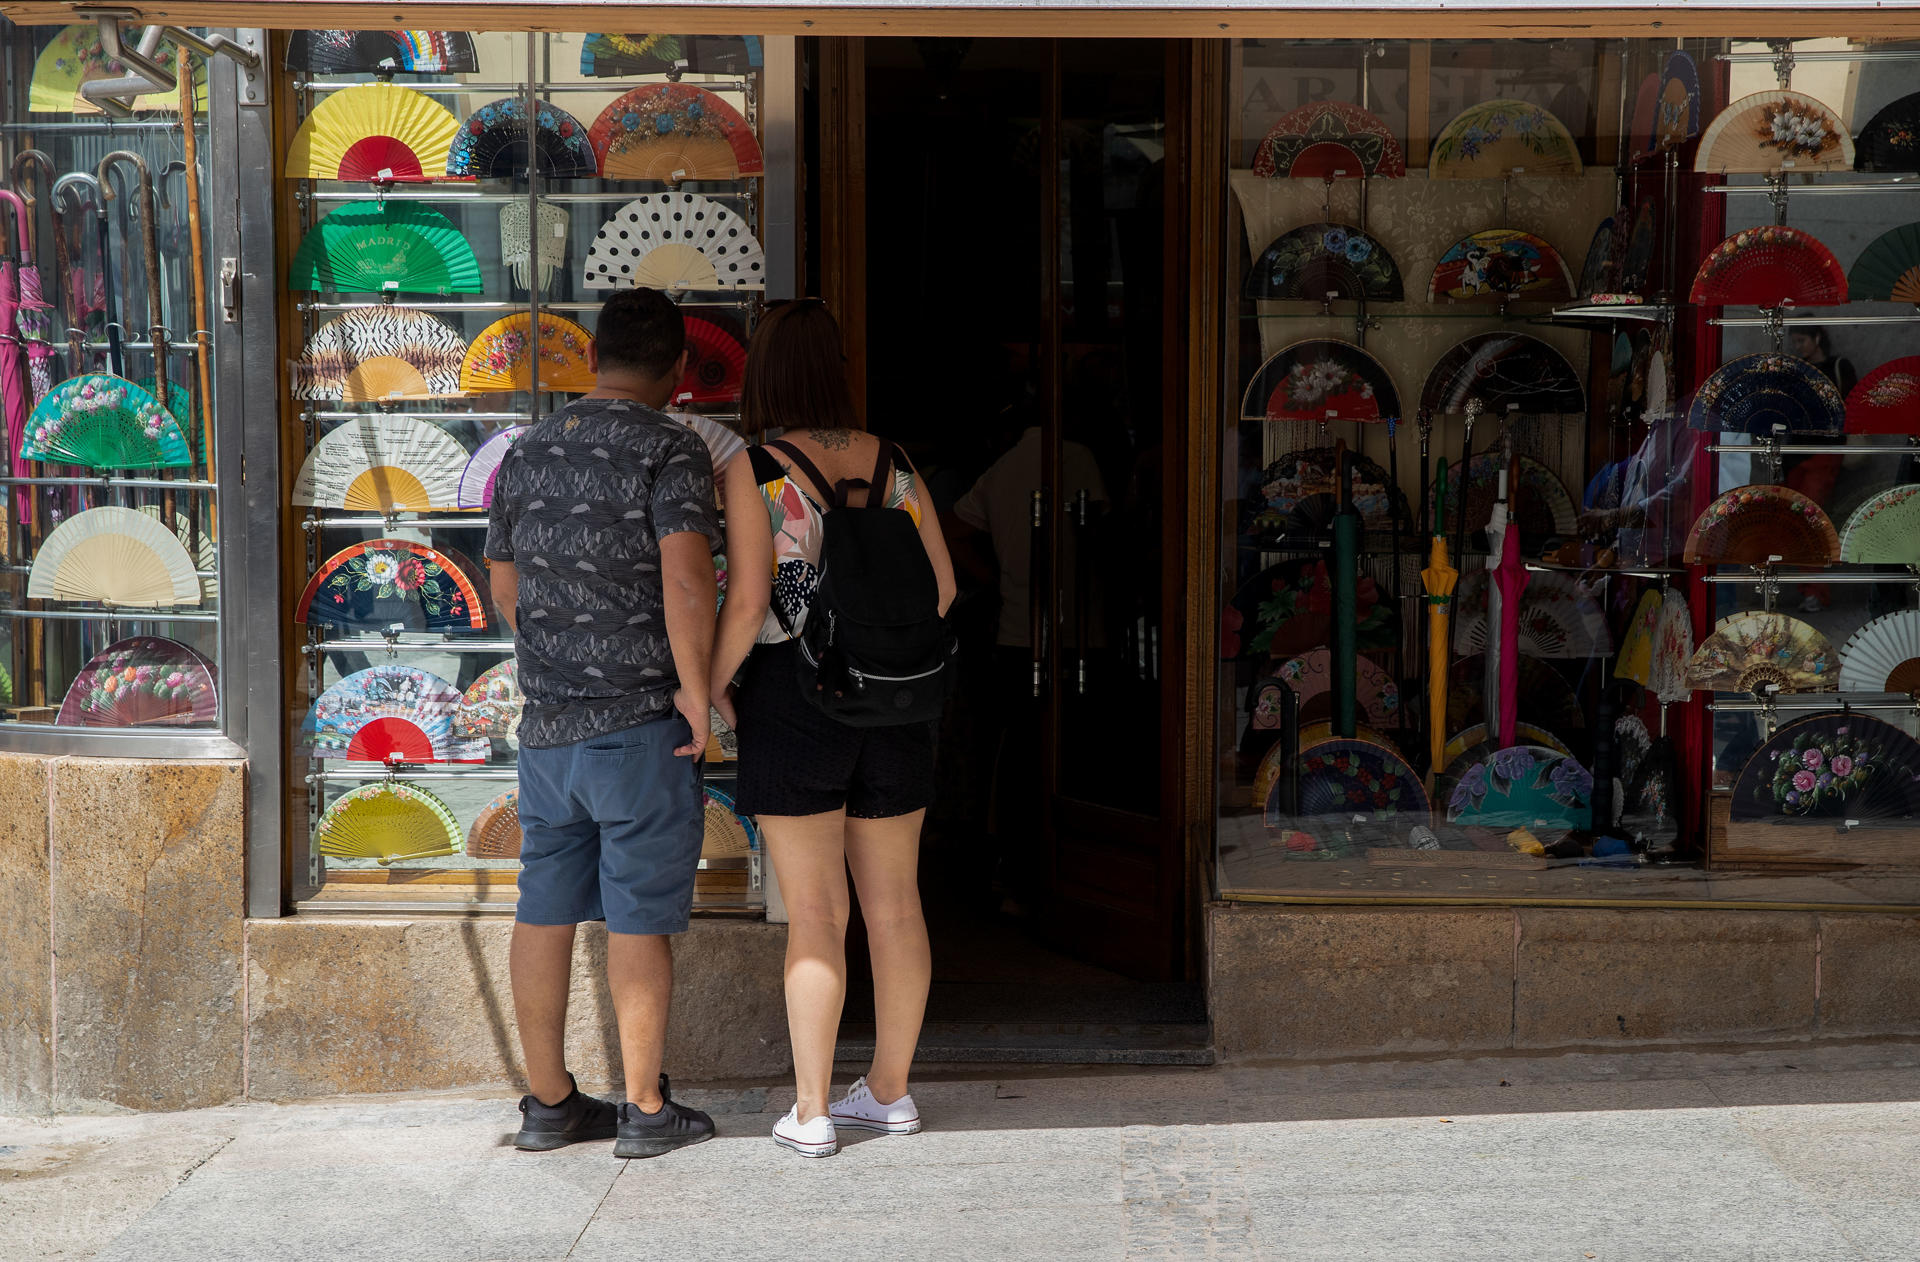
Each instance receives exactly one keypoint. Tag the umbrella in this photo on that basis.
(150, 240)
(1473, 410)
(202, 339)
(1496, 536)
(35, 315)
(15, 391)
(1440, 578)
(1510, 580)
(79, 292)
(1346, 563)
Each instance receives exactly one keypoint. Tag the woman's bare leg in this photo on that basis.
(885, 857)
(810, 860)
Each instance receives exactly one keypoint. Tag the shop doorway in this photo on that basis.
(1021, 244)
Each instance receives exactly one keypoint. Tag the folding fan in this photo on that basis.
(496, 829)
(1770, 132)
(1558, 618)
(1300, 477)
(674, 132)
(1523, 786)
(1329, 139)
(492, 143)
(382, 464)
(1885, 530)
(716, 363)
(1545, 698)
(1311, 677)
(75, 58)
(1887, 400)
(6, 686)
(1600, 274)
(1287, 609)
(492, 703)
(391, 584)
(729, 834)
(675, 241)
(117, 557)
(1748, 652)
(1274, 762)
(382, 246)
(200, 545)
(1768, 395)
(1677, 113)
(1496, 139)
(1321, 379)
(104, 422)
(382, 52)
(501, 357)
(144, 681)
(373, 131)
(1888, 270)
(1541, 503)
(378, 354)
(1498, 264)
(1769, 267)
(1318, 261)
(1891, 141)
(516, 249)
(483, 466)
(1648, 804)
(1883, 655)
(1832, 767)
(390, 714)
(388, 822)
(1502, 369)
(1755, 525)
(1672, 648)
(1635, 661)
(1360, 784)
(611, 56)
(1475, 741)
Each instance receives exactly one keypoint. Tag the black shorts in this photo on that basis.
(794, 760)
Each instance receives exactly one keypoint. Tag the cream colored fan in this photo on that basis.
(516, 250)
(675, 241)
(383, 464)
(116, 556)
(205, 555)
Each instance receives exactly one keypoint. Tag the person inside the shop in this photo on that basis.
(600, 545)
(830, 796)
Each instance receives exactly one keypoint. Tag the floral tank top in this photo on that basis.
(798, 518)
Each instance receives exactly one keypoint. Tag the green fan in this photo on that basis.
(180, 403)
(104, 422)
(6, 686)
(1888, 270)
(385, 246)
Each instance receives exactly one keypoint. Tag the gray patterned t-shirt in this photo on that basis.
(580, 506)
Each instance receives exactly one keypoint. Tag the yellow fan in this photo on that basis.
(375, 131)
(383, 464)
(496, 830)
(388, 822)
(499, 358)
(116, 556)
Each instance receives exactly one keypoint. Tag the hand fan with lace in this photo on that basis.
(385, 246)
(1887, 400)
(492, 143)
(1831, 768)
(1329, 140)
(1672, 648)
(1883, 655)
(379, 354)
(729, 834)
(1888, 270)
(373, 131)
(1370, 790)
(1557, 618)
(1761, 525)
(516, 250)
(1541, 503)
(1885, 530)
(1318, 261)
(716, 363)
(1500, 263)
(496, 829)
(1769, 132)
(492, 704)
(674, 132)
(1321, 379)
(1499, 138)
(390, 822)
(382, 52)
(142, 681)
(1768, 395)
(1310, 675)
(118, 557)
(483, 468)
(675, 241)
(385, 585)
(1749, 652)
(502, 358)
(1769, 266)
(1504, 371)
(382, 464)
(1891, 139)
(101, 421)
(606, 55)
(1522, 786)
(388, 714)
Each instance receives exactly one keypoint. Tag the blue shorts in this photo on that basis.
(612, 830)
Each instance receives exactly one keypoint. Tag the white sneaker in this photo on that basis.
(862, 1112)
(810, 1139)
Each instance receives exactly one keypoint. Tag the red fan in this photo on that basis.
(716, 363)
(1887, 400)
(1770, 267)
(1751, 525)
(1329, 139)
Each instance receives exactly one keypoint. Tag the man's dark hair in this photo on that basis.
(640, 330)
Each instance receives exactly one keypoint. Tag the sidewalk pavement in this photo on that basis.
(1800, 1153)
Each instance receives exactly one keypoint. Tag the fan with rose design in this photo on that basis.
(1321, 379)
(1887, 400)
(391, 585)
(1761, 525)
(142, 681)
(1318, 261)
(1832, 769)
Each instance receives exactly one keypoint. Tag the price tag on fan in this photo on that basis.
(1786, 162)
(560, 229)
(1333, 414)
(1519, 170)
(393, 285)
(384, 173)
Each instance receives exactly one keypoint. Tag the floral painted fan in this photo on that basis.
(1887, 400)
(1677, 111)
(1273, 763)
(1768, 395)
(375, 132)
(1770, 132)
(382, 52)
(1672, 648)
(1498, 264)
(492, 704)
(1759, 525)
(389, 822)
(101, 421)
(1888, 270)
(716, 362)
(1541, 503)
(1311, 677)
(483, 467)
(605, 55)
(501, 357)
(492, 143)
(143, 681)
(1828, 768)
(674, 132)
(1321, 379)
(390, 714)
(675, 241)
(1287, 609)
(1749, 652)
(1558, 618)
(1883, 655)
(1499, 138)
(116, 557)
(1504, 371)
(1366, 788)
(1523, 786)
(1300, 478)
(1318, 261)
(516, 249)
(496, 830)
(378, 354)
(1885, 530)
(1891, 141)
(382, 464)
(388, 585)
(1329, 140)
(1769, 267)
(389, 245)
(1635, 661)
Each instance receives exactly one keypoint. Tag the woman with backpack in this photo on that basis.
(838, 586)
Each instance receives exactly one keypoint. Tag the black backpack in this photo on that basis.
(875, 651)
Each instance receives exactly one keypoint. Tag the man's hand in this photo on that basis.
(695, 710)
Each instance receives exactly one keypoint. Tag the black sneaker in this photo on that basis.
(651, 1134)
(576, 1119)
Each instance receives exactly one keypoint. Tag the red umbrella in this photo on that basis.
(15, 397)
(1511, 578)
(35, 314)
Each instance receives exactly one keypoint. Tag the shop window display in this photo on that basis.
(1569, 494)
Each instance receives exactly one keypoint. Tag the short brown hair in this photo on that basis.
(796, 376)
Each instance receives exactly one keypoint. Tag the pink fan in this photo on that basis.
(483, 466)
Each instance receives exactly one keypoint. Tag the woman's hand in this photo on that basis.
(723, 702)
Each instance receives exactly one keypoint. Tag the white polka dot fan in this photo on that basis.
(675, 241)
(116, 556)
(383, 464)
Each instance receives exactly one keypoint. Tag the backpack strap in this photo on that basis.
(881, 484)
(837, 497)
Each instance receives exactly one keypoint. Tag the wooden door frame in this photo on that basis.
(840, 78)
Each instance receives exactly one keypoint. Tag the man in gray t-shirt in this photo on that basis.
(601, 547)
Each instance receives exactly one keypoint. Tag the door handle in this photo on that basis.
(1082, 579)
(1037, 608)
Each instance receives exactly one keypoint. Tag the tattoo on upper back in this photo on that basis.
(834, 439)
